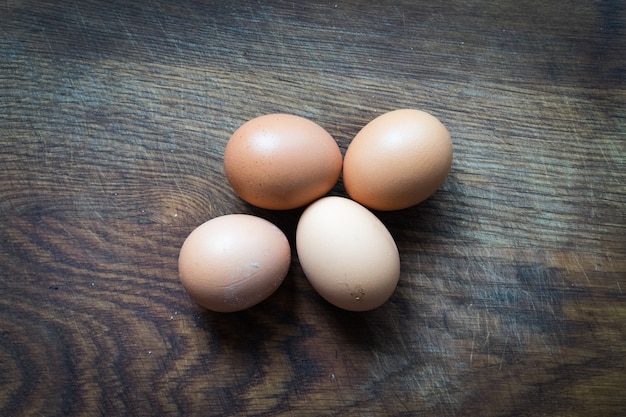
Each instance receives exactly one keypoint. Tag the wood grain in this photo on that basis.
(113, 120)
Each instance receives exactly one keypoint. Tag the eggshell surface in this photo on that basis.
(233, 262)
(347, 254)
(281, 161)
(397, 160)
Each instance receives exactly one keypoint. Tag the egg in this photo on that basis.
(233, 262)
(397, 160)
(347, 254)
(281, 161)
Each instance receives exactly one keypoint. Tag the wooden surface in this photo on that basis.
(113, 119)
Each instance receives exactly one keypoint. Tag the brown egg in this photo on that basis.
(397, 160)
(233, 262)
(281, 161)
(347, 254)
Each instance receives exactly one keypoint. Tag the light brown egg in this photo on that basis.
(281, 161)
(347, 254)
(233, 262)
(397, 160)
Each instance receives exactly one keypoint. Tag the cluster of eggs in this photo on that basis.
(283, 162)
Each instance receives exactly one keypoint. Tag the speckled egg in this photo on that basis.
(281, 161)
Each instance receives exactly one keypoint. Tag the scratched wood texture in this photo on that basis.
(113, 119)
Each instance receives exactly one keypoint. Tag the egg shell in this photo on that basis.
(233, 262)
(347, 254)
(281, 161)
(397, 160)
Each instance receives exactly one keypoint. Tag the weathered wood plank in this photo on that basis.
(113, 120)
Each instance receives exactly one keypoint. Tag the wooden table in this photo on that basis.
(113, 120)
